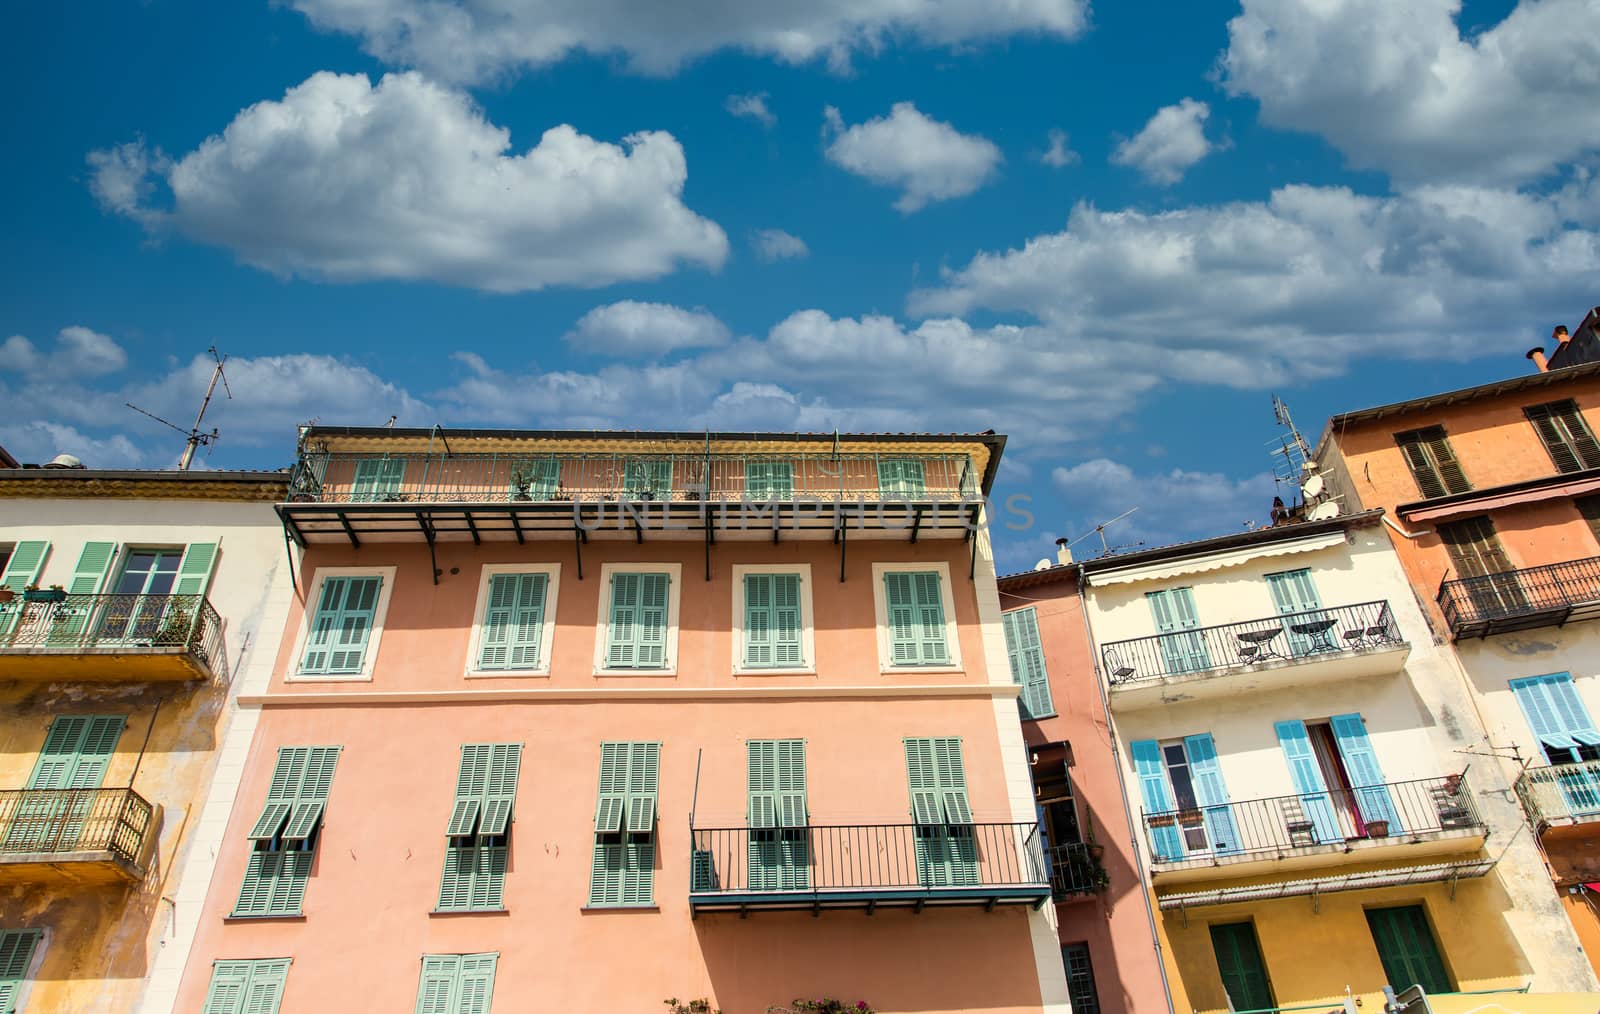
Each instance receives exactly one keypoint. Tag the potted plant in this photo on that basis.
(1377, 829)
(6, 594)
(175, 628)
(54, 593)
(700, 1006)
(828, 1005)
(1097, 851)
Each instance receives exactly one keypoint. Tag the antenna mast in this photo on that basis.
(195, 437)
(1106, 549)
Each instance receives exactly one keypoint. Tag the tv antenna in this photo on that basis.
(1106, 549)
(196, 437)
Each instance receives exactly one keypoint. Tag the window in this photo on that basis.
(16, 956)
(1589, 507)
(772, 606)
(779, 849)
(23, 564)
(1341, 787)
(536, 479)
(916, 628)
(246, 987)
(1185, 799)
(625, 826)
(1244, 974)
(378, 480)
(341, 637)
(641, 632)
(946, 852)
(1558, 717)
(1407, 948)
(456, 983)
(143, 606)
(768, 480)
(647, 478)
(1295, 595)
(1080, 979)
(1183, 647)
(75, 754)
(1566, 435)
(1027, 662)
(1492, 586)
(284, 838)
(1433, 464)
(902, 476)
(515, 620)
(480, 828)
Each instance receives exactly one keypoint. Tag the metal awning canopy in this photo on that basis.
(1402, 876)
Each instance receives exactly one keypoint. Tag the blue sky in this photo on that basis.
(1111, 233)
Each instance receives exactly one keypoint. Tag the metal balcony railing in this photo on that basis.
(129, 622)
(1519, 599)
(1561, 794)
(868, 865)
(1398, 811)
(322, 477)
(1073, 870)
(1292, 637)
(59, 821)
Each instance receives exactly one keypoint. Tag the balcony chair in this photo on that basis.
(1302, 832)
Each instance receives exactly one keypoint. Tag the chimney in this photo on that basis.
(1063, 554)
(1560, 335)
(1539, 360)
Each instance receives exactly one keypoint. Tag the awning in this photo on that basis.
(1400, 876)
(1214, 561)
(1558, 741)
(1586, 737)
(1494, 501)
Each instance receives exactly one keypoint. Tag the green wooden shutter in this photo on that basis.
(946, 851)
(377, 479)
(342, 625)
(652, 650)
(765, 480)
(312, 795)
(500, 790)
(915, 610)
(923, 781)
(225, 994)
(24, 566)
(759, 627)
(624, 854)
(88, 577)
(437, 991)
(1244, 974)
(194, 573)
(623, 633)
(265, 993)
(471, 779)
(94, 753)
(605, 875)
(648, 478)
(1407, 948)
(787, 644)
(477, 983)
(613, 791)
(901, 475)
(513, 622)
(791, 782)
(274, 884)
(952, 777)
(535, 479)
(282, 792)
(16, 955)
(1026, 654)
(901, 607)
(1294, 594)
(762, 783)
(643, 768)
(930, 618)
(76, 751)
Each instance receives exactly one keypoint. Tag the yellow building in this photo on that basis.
(129, 604)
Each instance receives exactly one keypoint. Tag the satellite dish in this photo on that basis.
(1043, 564)
(64, 461)
(1323, 511)
(1313, 487)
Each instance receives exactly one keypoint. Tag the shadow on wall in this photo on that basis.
(939, 960)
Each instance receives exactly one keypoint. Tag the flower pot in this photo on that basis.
(6, 595)
(1097, 852)
(45, 595)
(1377, 829)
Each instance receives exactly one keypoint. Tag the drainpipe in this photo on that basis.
(1413, 536)
(1122, 786)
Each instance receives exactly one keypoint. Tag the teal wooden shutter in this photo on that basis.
(194, 572)
(758, 620)
(88, 578)
(1407, 948)
(623, 632)
(312, 795)
(377, 479)
(765, 480)
(624, 855)
(1294, 594)
(16, 955)
(76, 751)
(613, 791)
(930, 617)
(225, 994)
(22, 569)
(1183, 648)
(915, 610)
(342, 625)
(946, 850)
(1026, 655)
(643, 765)
(265, 993)
(902, 476)
(1555, 712)
(791, 783)
(513, 622)
(1244, 974)
(274, 884)
(648, 479)
(1315, 802)
(436, 993)
(471, 779)
(901, 606)
(637, 637)
(477, 983)
(280, 862)
(1156, 794)
(1361, 761)
(535, 479)
(651, 652)
(1211, 793)
(923, 781)
(779, 847)
(282, 792)
(500, 791)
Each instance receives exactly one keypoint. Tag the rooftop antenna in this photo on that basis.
(196, 437)
(1293, 466)
(1106, 549)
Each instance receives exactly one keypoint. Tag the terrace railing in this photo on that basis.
(1561, 793)
(113, 622)
(1292, 637)
(1073, 870)
(1547, 595)
(59, 821)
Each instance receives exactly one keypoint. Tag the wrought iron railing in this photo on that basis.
(1291, 637)
(114, 621)
(857, 859)
(1561, 793)
(1399, 811)
(1074, 870)
(56, 821)
(715, 478)
(1549, 593)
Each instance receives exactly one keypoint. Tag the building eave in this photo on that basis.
(78, 483)
(1445, 399)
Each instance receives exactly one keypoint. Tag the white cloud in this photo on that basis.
(121, 178)
(474, 40)
(20, 355)
(1396, 87)
(1058, 155)
(1173, 140)
(407, 180)
(1173, 506)
(628, 328)
(1252, 294)
(78, 353)
(36, 441)
(751, 107)
(928, 160)
(777, 245)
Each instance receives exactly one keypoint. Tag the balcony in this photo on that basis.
(1432, 817)
(75, 836)
(1561, 795)
(867, 867)
(355, 497)
(1286, 650)
(1547, 596)
(131, 638)
(1074, 873)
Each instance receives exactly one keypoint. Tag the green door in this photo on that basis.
(1406, 946)
(1244, 974)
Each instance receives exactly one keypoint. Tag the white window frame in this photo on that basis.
(602, 626)
(808, 651)
(552, 573)
(880, 604)
(308, 617)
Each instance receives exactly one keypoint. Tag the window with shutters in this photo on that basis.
(623, 873)
(515, 620)
(1026, 655)
(479, 829)
(946, 850)
(901, 477)
(283, 840)
(1565, 435)
(344, 622)
(647, 478)
(640, 606)
(772, 619)
(1407, 948)
(1433, 464)
(1080, 979)
(779, 845)
(378, 479)
(456, 983)
(17, 948)
(246, 987)
(23, 564)
(768, 480)
(916, 616)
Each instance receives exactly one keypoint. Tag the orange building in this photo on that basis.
(1492, 496)
(580, 722)
(1104, 920)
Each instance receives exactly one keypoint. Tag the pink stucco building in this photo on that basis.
(751, 735)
